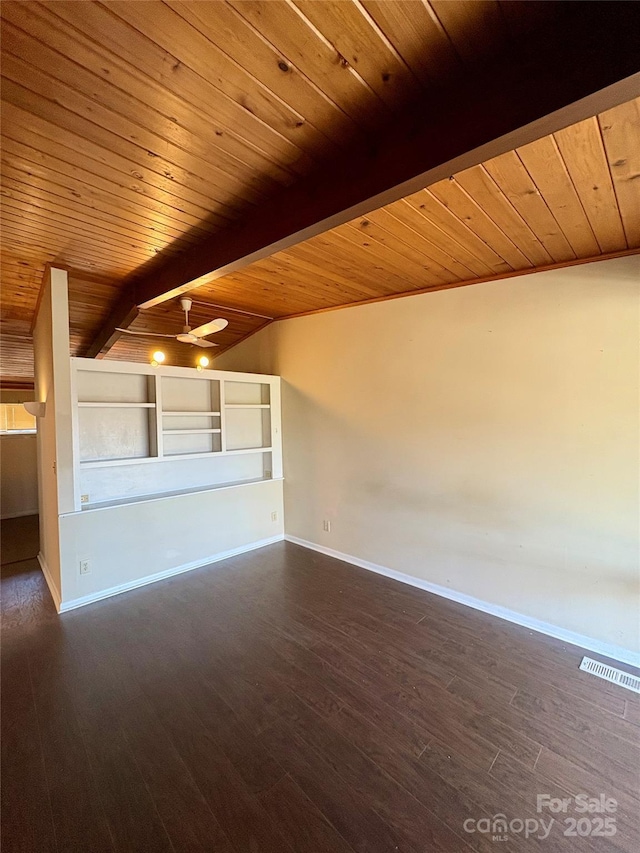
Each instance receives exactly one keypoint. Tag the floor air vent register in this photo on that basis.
(609, 673)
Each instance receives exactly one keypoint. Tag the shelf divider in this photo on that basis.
(157, 425)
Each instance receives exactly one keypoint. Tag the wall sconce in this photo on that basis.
(35, 409)
(203, 362)
(157, 358)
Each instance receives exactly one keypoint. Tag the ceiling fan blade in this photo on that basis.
(201, 343)
(209, 328)
(145, 334)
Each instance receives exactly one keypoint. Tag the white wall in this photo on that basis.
(484, 439)
(18, 475)
(131, 544)
(55, 449)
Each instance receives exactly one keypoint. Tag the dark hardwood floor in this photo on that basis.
(284, 701)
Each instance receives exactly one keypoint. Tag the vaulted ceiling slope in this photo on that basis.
(569, 196)
(133, 131)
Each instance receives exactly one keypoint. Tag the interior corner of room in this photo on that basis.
(481, 443)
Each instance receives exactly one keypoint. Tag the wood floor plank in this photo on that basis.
(75, 798)
(443, 799)
(27, 821)
(300, 820)
(614, 760)
(239, 813)
(560, 707)
(344, 807)
(632, 711)
(410, 819)
(187, 818)
(257, 768)
(131, 812)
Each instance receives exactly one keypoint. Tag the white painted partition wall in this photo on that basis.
(55, 446)
(147, 472)
(130, 545)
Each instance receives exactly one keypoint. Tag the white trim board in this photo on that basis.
(20, 514)
(74, 603)
(47, 576)
(607, 649)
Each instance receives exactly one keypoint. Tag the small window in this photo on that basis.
(15, 418)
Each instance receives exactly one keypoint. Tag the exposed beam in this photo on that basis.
(587, 62)
(122, 315)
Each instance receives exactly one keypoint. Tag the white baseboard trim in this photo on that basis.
(607, 649)
(74, 603)
(47, 576)
(19, 514)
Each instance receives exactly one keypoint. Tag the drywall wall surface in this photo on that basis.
(54, 438)
(46, 436)
(122, 482)
(62, 396)
(18, 475)
(127, 544)
(484, 439)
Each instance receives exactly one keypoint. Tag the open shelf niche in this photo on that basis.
(141, 431)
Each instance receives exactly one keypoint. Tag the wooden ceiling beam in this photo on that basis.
(122, 315)
(585, 63)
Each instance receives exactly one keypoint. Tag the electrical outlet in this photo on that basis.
(84, 499)
(326, 525)
(85, 567)
(274, 516)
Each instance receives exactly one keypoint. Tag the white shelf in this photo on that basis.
(96, 405)
(248, 450)
(143, 460)
(188, 431)
(127, 460)
(193, 414)
(99, 505)
(248, 406)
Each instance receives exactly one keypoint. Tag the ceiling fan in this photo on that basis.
(188, 335)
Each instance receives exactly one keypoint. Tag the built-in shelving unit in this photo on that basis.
(140, 430)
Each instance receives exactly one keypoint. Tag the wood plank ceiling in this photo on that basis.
(130, 130)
